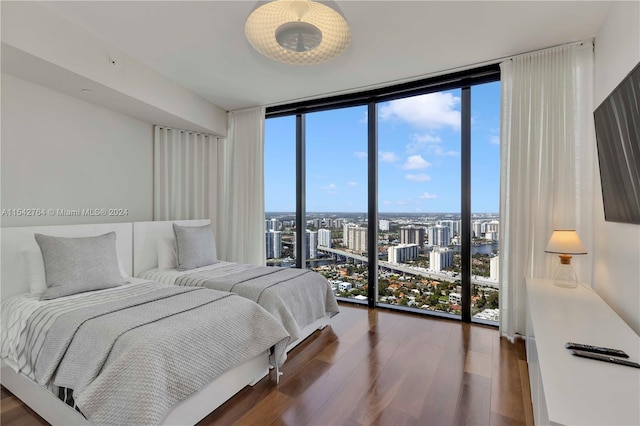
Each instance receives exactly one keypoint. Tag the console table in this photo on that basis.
(568, 390)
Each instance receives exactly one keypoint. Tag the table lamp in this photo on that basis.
(566, 243)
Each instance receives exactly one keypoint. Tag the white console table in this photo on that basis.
(568, 390)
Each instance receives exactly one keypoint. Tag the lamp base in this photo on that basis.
(565, 276)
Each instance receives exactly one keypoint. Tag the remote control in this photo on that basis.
(605, 358)
(596, 349)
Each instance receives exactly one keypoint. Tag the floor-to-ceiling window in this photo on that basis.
(419, 201)
(397, 192)
(280, 190)
(336, 199)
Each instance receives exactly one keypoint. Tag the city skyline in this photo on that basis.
(418, 156)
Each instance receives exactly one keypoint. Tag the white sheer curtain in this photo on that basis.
(242, 221)
(547, 152)
(182, 174)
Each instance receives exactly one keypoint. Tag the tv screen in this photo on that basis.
(617, 123)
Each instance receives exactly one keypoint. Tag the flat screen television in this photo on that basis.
(617, 123)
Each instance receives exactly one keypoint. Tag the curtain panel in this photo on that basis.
(243, 229)
(183, 177)
(547, 154)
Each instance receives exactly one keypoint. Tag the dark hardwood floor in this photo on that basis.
(379, 367)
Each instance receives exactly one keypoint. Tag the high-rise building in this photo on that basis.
(454, 226)
(345, 233)
(357, 238)
(439, 236)
(383, 225)
(272, 224)
(273, 241)
(312, 244)
(440, 258)
(477, 228)
(403, 253)
(324, 238)
(412, 235)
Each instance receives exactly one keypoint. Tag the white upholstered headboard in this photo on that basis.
(14, 241)
(145, 237)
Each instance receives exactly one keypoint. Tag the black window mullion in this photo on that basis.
(301, 182)
(372, 213)
(465, 253)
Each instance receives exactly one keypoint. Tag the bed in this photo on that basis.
(302, 300)
(173, 356)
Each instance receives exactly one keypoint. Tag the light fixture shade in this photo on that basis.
(296, 23)
(565, 241)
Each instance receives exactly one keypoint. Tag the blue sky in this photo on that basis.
(418, 156)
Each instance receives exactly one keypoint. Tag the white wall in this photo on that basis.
(59, 152)
(32, 31)
(616, 259)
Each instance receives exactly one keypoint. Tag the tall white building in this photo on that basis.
(477, 228)
(412, 235)
(272, 224)
(453, 225)
(440, 258)
(357, 239)
(403, 253)
(312, 244)
(273, 241)
(324, 238)
(383, 225)
(345, 233)
(439, 236)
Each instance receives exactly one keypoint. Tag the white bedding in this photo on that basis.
(217, 270)
(16, 311)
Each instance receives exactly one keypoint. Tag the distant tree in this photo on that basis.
(493, 300)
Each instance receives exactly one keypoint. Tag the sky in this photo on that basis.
(418, 156)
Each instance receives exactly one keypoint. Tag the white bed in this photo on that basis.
(148, 235)
(15, 280)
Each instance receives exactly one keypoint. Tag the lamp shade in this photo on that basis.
(565, 241)
(298, 32)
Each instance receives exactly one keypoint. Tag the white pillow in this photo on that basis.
(195, 246)
(37, 275)
(167, 258)
(80, 264)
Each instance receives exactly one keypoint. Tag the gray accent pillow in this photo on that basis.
(77, 265)
(195, 246)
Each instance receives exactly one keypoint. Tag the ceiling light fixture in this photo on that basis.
(298, 32)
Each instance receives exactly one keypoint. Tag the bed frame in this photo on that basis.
(145, 257)
(14, 280)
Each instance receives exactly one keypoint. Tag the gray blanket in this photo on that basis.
(129, 362)
(296, 297)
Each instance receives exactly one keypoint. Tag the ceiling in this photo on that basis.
(201, 45)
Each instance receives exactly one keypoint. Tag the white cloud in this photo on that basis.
(419, 177)
(494, 140)
(360, 154)
(387, 202)
(352, 183)
(430, 111)
(330, 187)
(402, 202)
(365, 118)
(438, 150)
(428, 196)
(422, 141)
(387, 157)
(416, 162)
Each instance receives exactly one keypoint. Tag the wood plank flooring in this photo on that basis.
(378, 367)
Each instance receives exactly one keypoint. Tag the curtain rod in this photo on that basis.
(422, 76)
